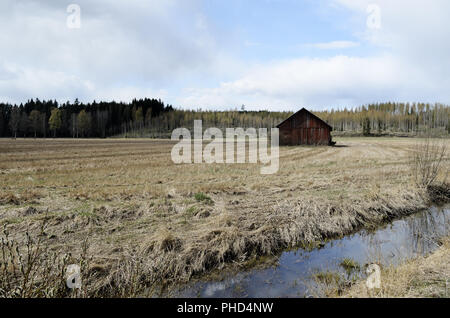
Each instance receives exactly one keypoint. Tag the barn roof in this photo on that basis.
(304, 110)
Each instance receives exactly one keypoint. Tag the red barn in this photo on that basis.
(304, 128)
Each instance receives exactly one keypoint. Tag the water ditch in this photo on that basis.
(293, 275)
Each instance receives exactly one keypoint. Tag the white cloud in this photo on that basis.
(136, 43)
(333, 45)
(337, 81)
(154, 48)
(413, 65)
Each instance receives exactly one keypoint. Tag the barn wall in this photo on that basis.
(304, 129)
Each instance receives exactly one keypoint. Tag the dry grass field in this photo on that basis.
(135, 219)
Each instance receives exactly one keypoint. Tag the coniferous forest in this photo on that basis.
(153, 118)
(38, 118)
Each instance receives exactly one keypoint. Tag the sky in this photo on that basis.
(221, 54)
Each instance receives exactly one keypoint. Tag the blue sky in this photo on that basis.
(217, 54)
(269, 30)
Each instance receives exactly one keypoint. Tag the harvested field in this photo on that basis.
(150, 222)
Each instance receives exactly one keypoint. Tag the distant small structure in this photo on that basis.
(304, 128)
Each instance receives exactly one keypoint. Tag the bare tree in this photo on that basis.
(14, 120)
(427, 162)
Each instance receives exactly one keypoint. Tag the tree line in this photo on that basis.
(152, 118)
(38, 118)
(381, 118)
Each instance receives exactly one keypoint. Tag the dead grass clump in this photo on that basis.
(203, 214)
(101, 216)
(329, 284)
(129, 276)
(439, 193)
(31, 197)
(15, 199)
(29, 269)
(349, 265)
(327, 277)
(9, 198)
(99, 270)
(425, 276)
(166, 241)
(107, 214)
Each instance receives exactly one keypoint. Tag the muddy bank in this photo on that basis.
(329, 270)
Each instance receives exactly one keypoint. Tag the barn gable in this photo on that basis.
(304, 128)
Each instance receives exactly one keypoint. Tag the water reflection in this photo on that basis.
(402, 239)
